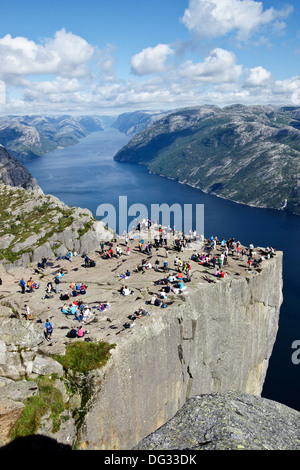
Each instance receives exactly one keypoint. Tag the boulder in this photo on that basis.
(20, 333)
(46, 366)
(228, 421)
(19, 391)
(10, 412)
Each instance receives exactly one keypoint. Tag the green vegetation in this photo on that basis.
(80, 357)
(86, 227)
(84, 357)
(49, 399)
(28, 215)
(246, 154)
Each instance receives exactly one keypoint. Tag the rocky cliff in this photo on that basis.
(35, 225)
(218, 337)
(14, 173)
(213, 337)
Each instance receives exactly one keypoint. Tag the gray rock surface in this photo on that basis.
(211, 338)
(228, 421)
(14, 173)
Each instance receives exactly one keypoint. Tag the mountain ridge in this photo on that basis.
(28, 137)
(250, 155)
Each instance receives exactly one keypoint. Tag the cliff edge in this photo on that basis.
(215, 335)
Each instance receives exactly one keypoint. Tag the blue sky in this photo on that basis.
(114, 56)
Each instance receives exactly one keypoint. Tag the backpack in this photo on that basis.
(49, 328)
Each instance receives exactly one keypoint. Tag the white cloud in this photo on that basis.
(219, 67)
(2, 92)
(257, 77)
(151, 60)
(289, 88)
(59, 85)
(66, 54)
(106, 63)
(215, 18)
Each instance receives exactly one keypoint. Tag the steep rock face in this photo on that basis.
(131, 123)
(220, 338)
(35, 225)
(228, 421)
(14, 173)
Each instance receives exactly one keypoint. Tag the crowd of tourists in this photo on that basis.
(213, 254)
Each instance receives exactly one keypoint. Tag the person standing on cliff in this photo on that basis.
(48, 330)
(28, 313)
(23, 286)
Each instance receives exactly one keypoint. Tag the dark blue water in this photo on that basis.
(86, 176)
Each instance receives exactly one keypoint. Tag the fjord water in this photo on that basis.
(86, 176)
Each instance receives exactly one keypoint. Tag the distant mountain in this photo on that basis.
(27, 137)
(249, 155)
(134, 122)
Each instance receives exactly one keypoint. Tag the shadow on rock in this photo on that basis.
(35, 443)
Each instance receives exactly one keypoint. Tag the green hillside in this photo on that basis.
(249, 155)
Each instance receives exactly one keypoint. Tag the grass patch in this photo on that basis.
(86, 227)
(83, 356)
(49, 398)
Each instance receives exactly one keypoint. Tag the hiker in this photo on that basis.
(23, 286)
(56, 282)
(48, 330)
(28, 313)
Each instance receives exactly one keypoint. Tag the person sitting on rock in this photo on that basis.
(104, 306)
(49, 287)
(72, 333)
(80, 332)
(65, 309)
(125, 291)
(30, 285)
(86, 313)
(163, 294)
